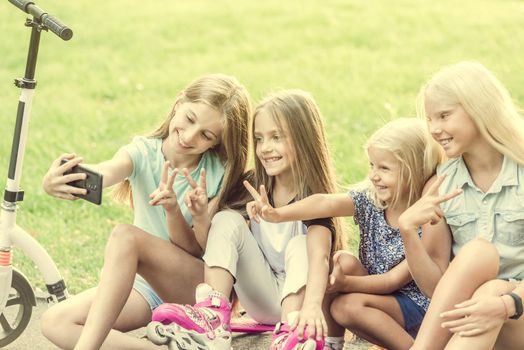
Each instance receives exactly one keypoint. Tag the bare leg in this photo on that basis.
(63, 323)
(293, 302)
(487, 340)
(361, 313)
(344, 264)
(334, 329)
(464, 275)
(510, 336)
(131, 250)
(220, 279)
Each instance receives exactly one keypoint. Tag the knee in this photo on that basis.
(493, 288)
(469, 255)
(122, 238)
(52, 321)
(480, 247)
(347, 309)
(349, 264)
(230, 217)
(228, 223)
(296, 245)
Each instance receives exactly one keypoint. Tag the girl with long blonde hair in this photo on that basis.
(477, 301)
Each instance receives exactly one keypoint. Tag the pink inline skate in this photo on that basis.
(204, 326)
(285, 339)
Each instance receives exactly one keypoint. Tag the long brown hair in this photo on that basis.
(225, 94)
(296, 112)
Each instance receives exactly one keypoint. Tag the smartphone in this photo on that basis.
(92, 183)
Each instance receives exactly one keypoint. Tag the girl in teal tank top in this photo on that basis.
(176, 179)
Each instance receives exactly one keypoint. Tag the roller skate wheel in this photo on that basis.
(156, 333)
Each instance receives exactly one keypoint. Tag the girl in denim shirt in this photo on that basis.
(476, 303)
(377, 288)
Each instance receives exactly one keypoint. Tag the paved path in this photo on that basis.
(32, 338)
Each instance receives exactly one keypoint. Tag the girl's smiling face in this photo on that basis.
(272, 146)
(384, 173)
(195, 128)
(451, 127)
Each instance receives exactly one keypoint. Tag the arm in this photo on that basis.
(55, 183)
(385, 283)
(181, 234)
(428, 257)
(318, 251)
(316, 206)
(483, 313)
(202, 223)
(510, 303)
(115, 170)
(194, 239)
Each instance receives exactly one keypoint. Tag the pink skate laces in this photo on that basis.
(209, 319)
(212, 310)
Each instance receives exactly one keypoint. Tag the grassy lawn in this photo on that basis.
(364, 62)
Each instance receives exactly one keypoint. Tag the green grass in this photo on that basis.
(362, 60)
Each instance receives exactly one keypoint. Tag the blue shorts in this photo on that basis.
(412, 313)
(146, 291)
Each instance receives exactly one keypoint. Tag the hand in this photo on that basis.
(55, 183)
(336, 278)
(260, 207)
(196, 199)
(427, 208)
(475, 316)
(312, 319)
(164, 194)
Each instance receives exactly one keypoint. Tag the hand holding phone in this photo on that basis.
(92, 183)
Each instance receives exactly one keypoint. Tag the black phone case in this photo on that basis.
(92, 183)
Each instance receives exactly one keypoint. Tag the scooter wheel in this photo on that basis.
(156, 333)
(18, 309)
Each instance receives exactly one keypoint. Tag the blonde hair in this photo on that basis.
(484, 99)
(409, 142)
(298, 116)
(225, 94)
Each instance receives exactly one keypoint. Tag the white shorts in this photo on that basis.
(231, 246)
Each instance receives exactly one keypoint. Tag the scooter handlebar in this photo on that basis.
(53, 23)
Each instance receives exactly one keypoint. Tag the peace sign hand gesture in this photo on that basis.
(260, 206)
(427, 208)
(196, 200)
(164, 194)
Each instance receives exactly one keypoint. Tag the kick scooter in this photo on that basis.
(17, 297)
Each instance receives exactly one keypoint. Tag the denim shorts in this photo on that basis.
(146, 291)
(412, 313)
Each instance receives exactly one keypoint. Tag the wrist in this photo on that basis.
(201, 219)
(313, 301)
(507, 302)
(407, 228)
(514, 303)
(173, 211)
(201, 225)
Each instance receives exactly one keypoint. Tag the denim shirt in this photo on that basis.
(496, 215)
